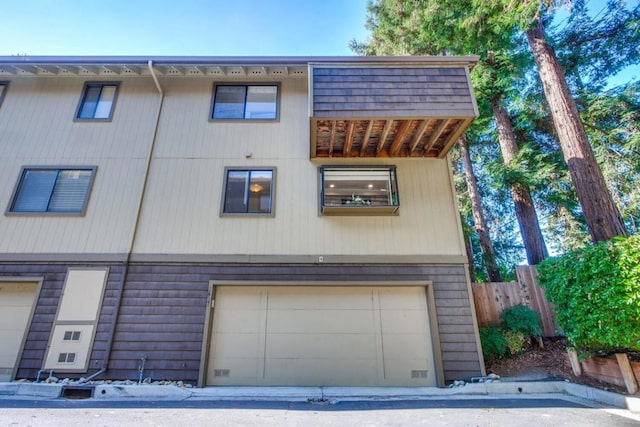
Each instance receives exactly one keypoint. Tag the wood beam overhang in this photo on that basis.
(418, 136)
(434, 137)
(399, 138)
(385, 137)
(332, 139)
(455, 134)
(348, 139)
(366, 138)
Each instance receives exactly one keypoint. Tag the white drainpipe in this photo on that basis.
(105, 361)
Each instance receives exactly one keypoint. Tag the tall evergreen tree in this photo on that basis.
(601, 214)
(433, 27)
(406, 25)
(480, 224)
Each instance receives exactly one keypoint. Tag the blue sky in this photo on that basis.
(192, 27)
(186, 27)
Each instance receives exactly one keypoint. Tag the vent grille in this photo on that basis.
(418, 374)
(66, 357)
(71, 336)
(221, 372)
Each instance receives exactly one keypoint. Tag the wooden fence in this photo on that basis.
(491, 299)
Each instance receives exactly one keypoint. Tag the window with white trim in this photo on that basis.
(52, 190)
(97, 102)
(245, 102)
(248, 191)
(358, 190)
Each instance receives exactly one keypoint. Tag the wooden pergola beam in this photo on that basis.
(418, 136)
(332, 138)
(383, 136)
(434, 136)
(365, 140)
(348, 139)
(396, 145)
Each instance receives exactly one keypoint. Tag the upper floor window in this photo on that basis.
(97, 102)
(3, 90)
(358, 190)
(52, 190)
(245, 102)
(248, 191)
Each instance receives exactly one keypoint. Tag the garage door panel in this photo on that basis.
(319, 372)
(399, 346)
(402, 299)
(8, 352)
(313, 298)
(240, 297)
(357, 335)
(403, 321)
(15, 313)
(320, 321)
(239, 321)
(16, 302)
(322, 346)
(237, 368)
(239, 345)
(409, 371)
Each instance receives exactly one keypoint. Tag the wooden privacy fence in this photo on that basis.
(491, 299)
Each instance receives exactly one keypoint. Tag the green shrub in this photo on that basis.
(494, 344)
(515, 341)
(523, 319)
(596, 293)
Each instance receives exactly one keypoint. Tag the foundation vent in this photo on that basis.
(66, 358)
(418, 374)
(221, 372)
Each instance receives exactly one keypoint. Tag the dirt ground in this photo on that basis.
(551, 360)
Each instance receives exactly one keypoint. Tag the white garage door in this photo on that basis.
(16, 302)
(321, 336)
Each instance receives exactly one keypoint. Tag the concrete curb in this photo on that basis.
(498, 389)
(142, 392)
(606, 397)
(50, 391)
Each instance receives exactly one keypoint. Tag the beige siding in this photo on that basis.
(181, 212)
(37, 128)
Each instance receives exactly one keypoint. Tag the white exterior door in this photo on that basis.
(321, 336)
(16, 304)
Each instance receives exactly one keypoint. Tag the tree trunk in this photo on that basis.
(532, 238)
(488, 255)
(601, 214)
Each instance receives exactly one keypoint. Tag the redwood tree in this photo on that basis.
(469, 26)
(601, 214)
(435, 26)
(480, 225)
(520, 193)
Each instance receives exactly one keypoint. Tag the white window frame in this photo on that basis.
(360, 202)
(272, 201)
(244, 119)
(83, 99)
(17, 191)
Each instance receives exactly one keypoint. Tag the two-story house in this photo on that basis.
(234, 221)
